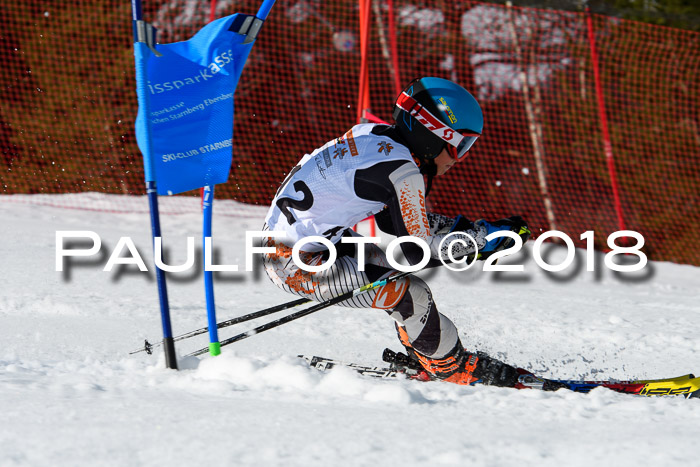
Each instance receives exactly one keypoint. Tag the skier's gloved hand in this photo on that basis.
(462, 224)
(514, 224)
(443, 225)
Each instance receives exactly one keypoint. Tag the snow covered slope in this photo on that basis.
(71, 395)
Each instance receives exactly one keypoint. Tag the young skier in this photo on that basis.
(378, 170)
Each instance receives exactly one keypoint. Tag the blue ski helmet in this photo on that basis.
(433, 112)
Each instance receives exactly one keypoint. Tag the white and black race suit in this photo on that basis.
(367, 171)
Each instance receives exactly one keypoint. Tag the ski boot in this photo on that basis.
(459, 367)
(468, 368)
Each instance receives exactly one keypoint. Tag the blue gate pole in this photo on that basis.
(141, 53)
(261, 15)
(207, 210)
(264, 9)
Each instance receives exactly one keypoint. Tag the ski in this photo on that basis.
(687, 385)
(325, 364)
(683, 385)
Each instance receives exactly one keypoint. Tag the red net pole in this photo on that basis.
(363, 97)
(604, 121)
(394, 47)
(212, 10)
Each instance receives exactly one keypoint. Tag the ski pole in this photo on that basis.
(302, 313)
(148, 347)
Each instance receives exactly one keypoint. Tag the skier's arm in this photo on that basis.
(400, 186)
(438, 223)
(444, 225)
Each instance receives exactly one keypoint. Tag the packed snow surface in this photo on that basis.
(70, 393)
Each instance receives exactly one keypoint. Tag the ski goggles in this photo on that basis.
(457, 143)
(467, 141)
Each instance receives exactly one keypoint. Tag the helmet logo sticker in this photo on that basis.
(446, 108)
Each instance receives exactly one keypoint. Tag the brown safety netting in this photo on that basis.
(68, 104)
